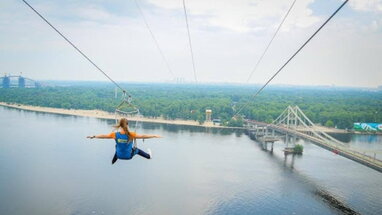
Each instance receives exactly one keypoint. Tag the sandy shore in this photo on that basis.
(105, 115)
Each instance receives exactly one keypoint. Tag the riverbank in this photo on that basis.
(107, 115)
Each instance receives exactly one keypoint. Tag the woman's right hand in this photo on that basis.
(157, 136)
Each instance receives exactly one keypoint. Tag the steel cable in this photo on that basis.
(282, 67)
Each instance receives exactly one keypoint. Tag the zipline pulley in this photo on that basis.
(126, 99)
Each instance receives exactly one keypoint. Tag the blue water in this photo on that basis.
(47, 166)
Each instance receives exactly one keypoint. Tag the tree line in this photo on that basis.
(327, 106)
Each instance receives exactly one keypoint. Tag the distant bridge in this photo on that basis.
(18, 81)
(294, 122)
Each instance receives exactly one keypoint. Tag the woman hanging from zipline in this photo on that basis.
(124, 139)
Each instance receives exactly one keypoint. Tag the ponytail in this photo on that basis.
(123, 124)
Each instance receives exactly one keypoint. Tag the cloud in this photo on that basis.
(376, 25)
(228, 38)
(367, 5)
(244, 15)
(93, 13)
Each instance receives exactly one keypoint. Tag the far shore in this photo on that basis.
(107, 115)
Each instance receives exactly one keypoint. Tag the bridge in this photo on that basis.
(8, 81)
(292, 121)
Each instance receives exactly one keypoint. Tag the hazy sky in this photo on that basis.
(228, 38)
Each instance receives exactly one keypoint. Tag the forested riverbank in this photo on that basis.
(332, 107)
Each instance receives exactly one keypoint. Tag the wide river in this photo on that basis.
(47, 166)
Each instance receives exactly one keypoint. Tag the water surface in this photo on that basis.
(47, 166)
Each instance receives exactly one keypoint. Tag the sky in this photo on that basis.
(228, 37)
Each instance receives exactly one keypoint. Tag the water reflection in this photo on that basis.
(363, 138)
(321, 192)
(335, 202)
(367, 138)
(346, 138)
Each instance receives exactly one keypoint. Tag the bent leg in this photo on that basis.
(142, 153)
(115, 158)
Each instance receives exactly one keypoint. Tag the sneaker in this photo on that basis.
(150, 153)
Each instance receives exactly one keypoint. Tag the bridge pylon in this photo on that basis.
(293, 118)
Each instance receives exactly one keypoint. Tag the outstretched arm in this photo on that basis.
(146, 136)
(101, 136)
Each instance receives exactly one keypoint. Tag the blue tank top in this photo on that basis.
(124, 148)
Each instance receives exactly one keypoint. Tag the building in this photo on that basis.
(21, 82)
(208, 115)
(216, 121)
(6, 82)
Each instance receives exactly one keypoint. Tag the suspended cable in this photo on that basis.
(154, 39)
(282, 67)
(189, 40)
(76, 48)
(270, 42)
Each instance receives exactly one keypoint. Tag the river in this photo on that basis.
(47, 166)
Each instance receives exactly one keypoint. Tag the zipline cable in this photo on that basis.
(282, 67)
(270, 42)
(189, 40)
(76, 48)
(154, 39)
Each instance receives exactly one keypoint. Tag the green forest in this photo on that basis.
(333, 107)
